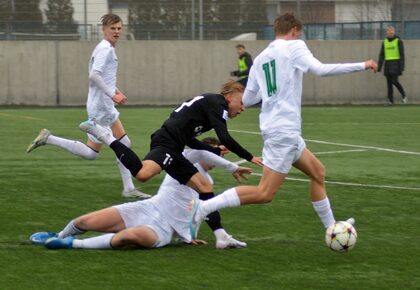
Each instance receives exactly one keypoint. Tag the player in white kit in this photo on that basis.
(276, 81)
(102, 97)
(149, 223)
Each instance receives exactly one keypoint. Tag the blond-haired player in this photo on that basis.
(102, 97)
(189, 120)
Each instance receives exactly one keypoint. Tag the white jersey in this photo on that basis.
(173, 198)
(100, 104)
(276, 80)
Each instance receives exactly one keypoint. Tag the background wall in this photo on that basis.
(167, 72)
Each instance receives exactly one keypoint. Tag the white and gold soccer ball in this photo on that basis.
(341, 237)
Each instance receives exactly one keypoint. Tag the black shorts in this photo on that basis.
(170, 159)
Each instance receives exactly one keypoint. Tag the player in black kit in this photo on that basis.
(190, 119)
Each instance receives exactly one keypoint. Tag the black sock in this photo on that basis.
(213, 219)
(127, 157)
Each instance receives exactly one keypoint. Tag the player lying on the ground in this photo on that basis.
(276, 81)
(149, 223)
(192, 118)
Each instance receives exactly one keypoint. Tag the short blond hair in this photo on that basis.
(109, 19)
(231, 87)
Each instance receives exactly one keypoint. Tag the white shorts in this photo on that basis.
(104, 114)
(144, 213)
(282, 150)
(94, 139)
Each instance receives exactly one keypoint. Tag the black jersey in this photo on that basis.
(199, 115)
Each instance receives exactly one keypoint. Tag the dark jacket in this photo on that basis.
(392, 67)
(248, 61)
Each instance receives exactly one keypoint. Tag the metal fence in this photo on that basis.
(211, 31)
(360, 30)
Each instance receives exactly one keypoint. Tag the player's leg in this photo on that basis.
(214, 221)
(312, 166)
(129, 189)
(269, 184)
(200, 184)
(86, 151)
(138, 237)
(105, 220)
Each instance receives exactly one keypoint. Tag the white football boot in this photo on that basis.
(40, 140)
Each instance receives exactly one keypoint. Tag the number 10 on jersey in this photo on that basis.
(270, 77)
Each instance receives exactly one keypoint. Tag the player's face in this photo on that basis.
(235, 104)
(112, 32)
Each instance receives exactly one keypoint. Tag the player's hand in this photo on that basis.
(239, 174)
(119, 98)
(257, 161)
(223, 150)
(198, 242)
(370, 64)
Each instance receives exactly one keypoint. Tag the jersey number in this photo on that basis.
(270, 77)
(189, 103)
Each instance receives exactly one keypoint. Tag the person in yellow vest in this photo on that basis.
(244, 65)
(392, 54)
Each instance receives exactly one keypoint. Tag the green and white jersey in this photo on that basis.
(276, 80)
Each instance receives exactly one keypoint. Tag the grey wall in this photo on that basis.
(166, 72)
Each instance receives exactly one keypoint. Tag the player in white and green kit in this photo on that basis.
(149, 223)
(102, 97)
(276, 81)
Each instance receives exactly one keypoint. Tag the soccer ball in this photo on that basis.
(341, 237)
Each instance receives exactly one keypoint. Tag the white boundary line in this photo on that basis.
(341, 183)
(351, 183)
(341, 151)
(20, 117)
(343, 144)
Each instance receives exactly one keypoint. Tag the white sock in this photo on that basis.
(220, 234)
(75, 147)
(323, 209)
(99, 242)
(125, 173)
(70, 230)
(228, 198)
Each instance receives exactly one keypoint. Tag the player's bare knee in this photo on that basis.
(264, 196)
(319, 175)
(268, 197)
(81, 222)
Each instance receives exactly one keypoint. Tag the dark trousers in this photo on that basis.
(393, 81)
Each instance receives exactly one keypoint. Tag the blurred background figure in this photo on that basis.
(244, 65)
(392, 54)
